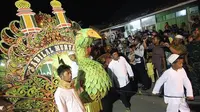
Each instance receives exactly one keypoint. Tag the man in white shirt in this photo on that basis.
(74, 66)
(120, 72)
(66, 98)
(174, 80)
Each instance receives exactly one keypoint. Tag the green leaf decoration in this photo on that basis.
(103, 85)
(94, 91)
(98, 86)
(89, 91)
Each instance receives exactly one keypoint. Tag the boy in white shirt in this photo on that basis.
(66, 98)
(174, 80)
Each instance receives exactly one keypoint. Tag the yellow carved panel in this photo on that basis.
(61, 18)
(28, 21)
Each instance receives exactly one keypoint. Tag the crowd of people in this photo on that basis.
(148, 60)
(147, 50)
(147, 53)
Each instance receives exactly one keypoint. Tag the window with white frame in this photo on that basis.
(148, 21)
(194, 10)
(135, 25)
(181, 13)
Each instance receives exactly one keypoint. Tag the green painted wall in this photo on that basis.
(170, 17)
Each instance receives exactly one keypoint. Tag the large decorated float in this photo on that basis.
(32, 50)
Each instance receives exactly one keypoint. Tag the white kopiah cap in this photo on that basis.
(179, 36)
(70, 53)
(172, 58)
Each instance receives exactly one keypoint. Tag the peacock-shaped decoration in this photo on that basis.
(92, 76)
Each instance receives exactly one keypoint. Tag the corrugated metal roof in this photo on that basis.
(121, 22)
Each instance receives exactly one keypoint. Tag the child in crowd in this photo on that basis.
(150, 70)
(174, 80)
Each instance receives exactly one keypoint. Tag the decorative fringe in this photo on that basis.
(94, 106)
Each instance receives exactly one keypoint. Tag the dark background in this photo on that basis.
(88, 12)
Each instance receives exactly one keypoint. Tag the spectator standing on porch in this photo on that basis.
(167, 26)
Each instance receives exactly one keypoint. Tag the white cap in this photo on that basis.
(179, 36)
(70, 53)
(172, 58)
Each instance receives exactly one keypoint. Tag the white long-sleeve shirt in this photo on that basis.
(67, 101)
(120, 69)
(174, 83)
(74, 68)
(139, 50)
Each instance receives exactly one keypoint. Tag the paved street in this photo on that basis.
(148, 104)
(142, 104)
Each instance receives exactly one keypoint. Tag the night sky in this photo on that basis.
(89, 12)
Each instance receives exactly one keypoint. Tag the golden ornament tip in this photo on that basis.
(22, 4)
(55, 4)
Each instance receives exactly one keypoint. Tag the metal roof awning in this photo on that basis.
(166, 9)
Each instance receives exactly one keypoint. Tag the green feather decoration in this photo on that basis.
(91, 76)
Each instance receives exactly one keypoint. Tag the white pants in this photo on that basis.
(175, 106)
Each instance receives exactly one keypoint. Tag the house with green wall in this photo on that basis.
(177, 14)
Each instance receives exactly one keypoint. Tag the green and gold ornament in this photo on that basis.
(24, 39)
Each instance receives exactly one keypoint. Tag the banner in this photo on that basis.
(34, 63)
